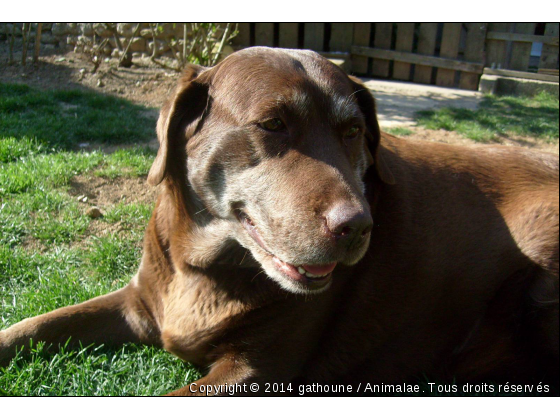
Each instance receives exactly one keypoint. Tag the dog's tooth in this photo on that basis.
(302, 271)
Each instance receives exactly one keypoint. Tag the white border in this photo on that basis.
(262, 10)
(242, 408)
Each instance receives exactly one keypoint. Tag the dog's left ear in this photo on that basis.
(366, 102)
(179, 118)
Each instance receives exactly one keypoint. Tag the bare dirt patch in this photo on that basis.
(144, 83)
(105, 193)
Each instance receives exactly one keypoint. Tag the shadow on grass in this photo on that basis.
(499, 116)
(66, 119)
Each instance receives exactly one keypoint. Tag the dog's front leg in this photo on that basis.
(229, 375)
(114, 319)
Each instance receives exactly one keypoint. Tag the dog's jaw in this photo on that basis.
(273, 268)
(300, 278)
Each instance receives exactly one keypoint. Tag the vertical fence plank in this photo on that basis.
(426, 46)
(474, 51)
(383, 33)
(341, 37)
(361, 39)
(264, 34)
(521, 51)
(313, 36)
(449, 49)
(496, 49)
(549, 56)
(243, 38)
(288, 36)
(405, 39)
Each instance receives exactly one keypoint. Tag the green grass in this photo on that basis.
(47, 257)
(132, 216)
(398, 131)
(67, 118)
(48, 216)
(127, 162)
(44, 171)
(130, 370)
(497, 116)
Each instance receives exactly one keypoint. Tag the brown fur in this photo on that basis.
(457, 279)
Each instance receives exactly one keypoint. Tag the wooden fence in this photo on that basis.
(444, 54)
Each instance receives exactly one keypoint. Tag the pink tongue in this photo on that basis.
(319, 270)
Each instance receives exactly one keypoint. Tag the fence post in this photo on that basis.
(496, 49)
(405, 38)
(383, 33)
(426, 46)
(521, 51)
(341, 37)
(264, 34)
(474, 51)
(549, 56)
(361, 39)
(288, 36)
(313, 36)
(243, 38)
(449, 49)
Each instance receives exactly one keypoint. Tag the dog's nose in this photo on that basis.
(347, 222)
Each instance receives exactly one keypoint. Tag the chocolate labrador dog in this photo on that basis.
(292, 242)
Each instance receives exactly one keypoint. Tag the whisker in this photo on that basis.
(256, 275)
(353, 93)
(244, 255)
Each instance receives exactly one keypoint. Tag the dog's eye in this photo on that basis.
(274, 124)
(352, 132)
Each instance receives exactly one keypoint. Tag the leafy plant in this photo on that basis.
(202, 43)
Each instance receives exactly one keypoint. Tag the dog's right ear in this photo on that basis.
(366, 102)
(179, 118)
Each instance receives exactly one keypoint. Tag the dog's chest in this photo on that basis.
(195, 316)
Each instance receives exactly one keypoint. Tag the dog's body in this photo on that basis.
(293, 242)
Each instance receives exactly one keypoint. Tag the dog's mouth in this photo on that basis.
(310, 276)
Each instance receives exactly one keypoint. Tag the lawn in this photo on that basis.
(499, 116)
(52, 254)
(399, 131)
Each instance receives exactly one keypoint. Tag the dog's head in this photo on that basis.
(274, 145)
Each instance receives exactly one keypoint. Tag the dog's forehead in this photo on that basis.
(260, 77)
(263, 65)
